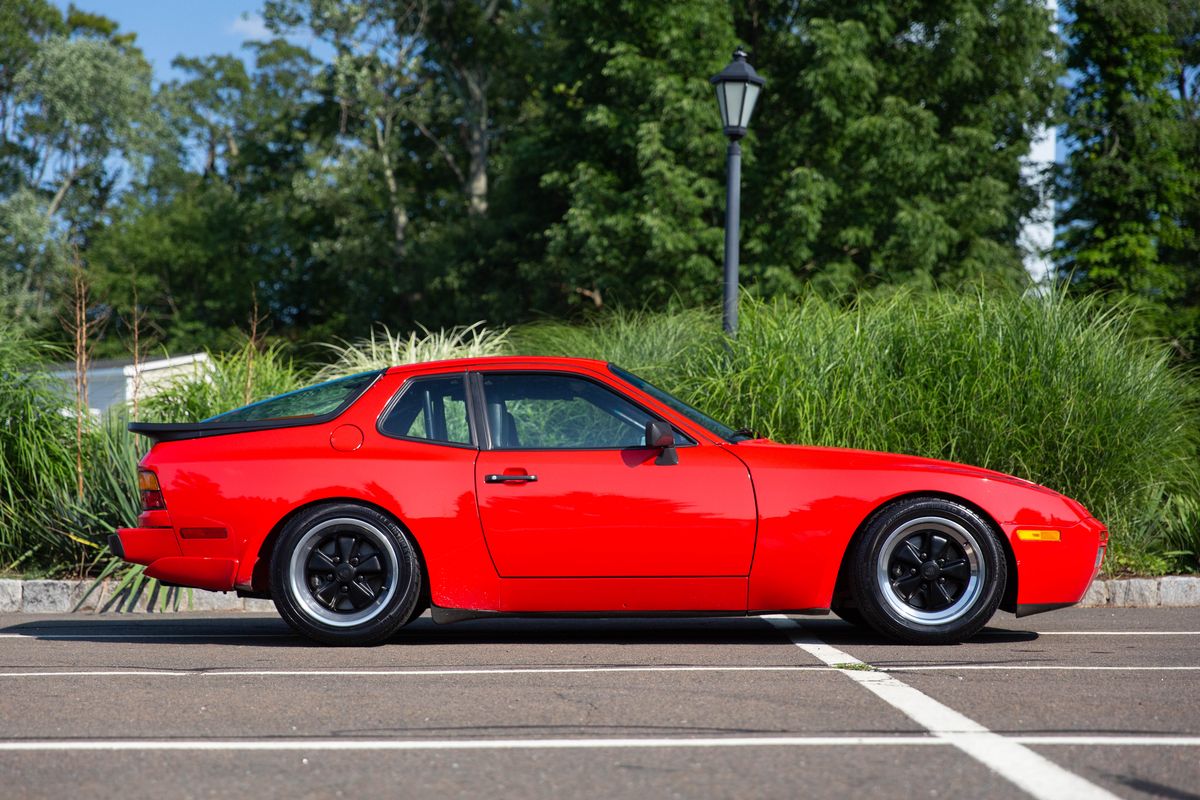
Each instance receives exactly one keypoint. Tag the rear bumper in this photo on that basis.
(158, 549)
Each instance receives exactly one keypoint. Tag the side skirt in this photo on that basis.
(447, 616)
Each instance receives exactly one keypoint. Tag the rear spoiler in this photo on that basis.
(177, 431)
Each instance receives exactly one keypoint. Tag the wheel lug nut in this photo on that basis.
(354, 561)
(345, 588)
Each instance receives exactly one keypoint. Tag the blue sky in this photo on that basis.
(168, 28)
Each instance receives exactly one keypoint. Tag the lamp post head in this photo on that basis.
(738, 87)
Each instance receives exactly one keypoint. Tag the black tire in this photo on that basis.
(345, 574)
(928, 571)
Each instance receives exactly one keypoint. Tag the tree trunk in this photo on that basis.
(399, 212)
(477, 143)
(61, 194)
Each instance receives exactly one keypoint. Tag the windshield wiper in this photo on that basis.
(747, 433)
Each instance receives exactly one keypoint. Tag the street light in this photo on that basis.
(738, 87)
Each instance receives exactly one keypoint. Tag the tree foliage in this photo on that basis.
(1132, 181)
(441, 161)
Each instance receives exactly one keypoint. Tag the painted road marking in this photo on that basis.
(205, 672)
(1059, 667)
(1034, 773)
(1092, 633)
(219, 673)
(323, 744)
(169, 636)
(217, 636)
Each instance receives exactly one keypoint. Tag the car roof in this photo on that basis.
(491, 362)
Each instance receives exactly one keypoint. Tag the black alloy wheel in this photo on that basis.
(928, 571)
(345, 574)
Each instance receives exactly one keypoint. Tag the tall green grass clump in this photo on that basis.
(1051, 389)
(384, 349)
(37, 452)
(672, 344)
(47, 525)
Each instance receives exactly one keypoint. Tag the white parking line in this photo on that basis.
(1019, 667)
(207, 672)
(1015, 762)
(218, 635)
(222, 673)
(327, 745)
(461, 744)
(1094, 633)
(132, 635)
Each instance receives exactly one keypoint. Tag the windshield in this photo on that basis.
(700, 418)
(312, 401)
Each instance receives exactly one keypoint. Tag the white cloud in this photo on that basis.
(249, 26)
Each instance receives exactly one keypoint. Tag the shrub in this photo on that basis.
(1051, 389)
(46, 525)
(384, 349)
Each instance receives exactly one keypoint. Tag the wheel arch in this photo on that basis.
(1008, 602)
(260, 577)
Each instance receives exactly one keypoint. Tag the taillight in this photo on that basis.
(152, 499)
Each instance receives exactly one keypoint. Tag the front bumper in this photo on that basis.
(1056, 574)
(158, 549)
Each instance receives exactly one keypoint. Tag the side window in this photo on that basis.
(559, 412)
(430, 408)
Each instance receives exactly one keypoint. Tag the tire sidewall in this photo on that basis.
(397, 611)
(868, 551)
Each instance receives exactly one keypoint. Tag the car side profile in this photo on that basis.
(555, 486)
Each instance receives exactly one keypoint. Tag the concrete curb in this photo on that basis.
(59, 597)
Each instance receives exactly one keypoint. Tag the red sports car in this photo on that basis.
(568, 486)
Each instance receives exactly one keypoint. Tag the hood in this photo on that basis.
(875, 460)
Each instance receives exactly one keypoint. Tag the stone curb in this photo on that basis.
(58, 597)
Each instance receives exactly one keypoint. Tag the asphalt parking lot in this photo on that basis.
(1088, 703)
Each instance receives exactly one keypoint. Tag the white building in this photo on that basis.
(114, 381)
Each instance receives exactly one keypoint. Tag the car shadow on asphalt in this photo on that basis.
(273, 632)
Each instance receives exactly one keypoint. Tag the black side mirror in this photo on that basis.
(660, 435)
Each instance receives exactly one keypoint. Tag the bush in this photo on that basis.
(47, 526)
(386, 349)
(1050, 389)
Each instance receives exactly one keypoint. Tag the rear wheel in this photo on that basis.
(928, 571)
(345, 574)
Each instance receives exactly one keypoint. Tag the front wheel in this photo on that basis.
(928, 571)
(345, 574)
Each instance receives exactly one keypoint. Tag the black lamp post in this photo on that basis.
(738, 87)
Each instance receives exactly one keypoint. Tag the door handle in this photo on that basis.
(509, 478)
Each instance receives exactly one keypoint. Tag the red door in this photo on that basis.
(569, 489)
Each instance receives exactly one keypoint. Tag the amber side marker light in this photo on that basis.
(1039, 536)
(152, 499)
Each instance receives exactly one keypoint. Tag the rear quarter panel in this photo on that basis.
(247, 483)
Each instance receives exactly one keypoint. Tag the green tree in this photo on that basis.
(74, 97)
(888, 144)
(24, 24)
(1132, 182)
(205, 239)
(626, 151)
